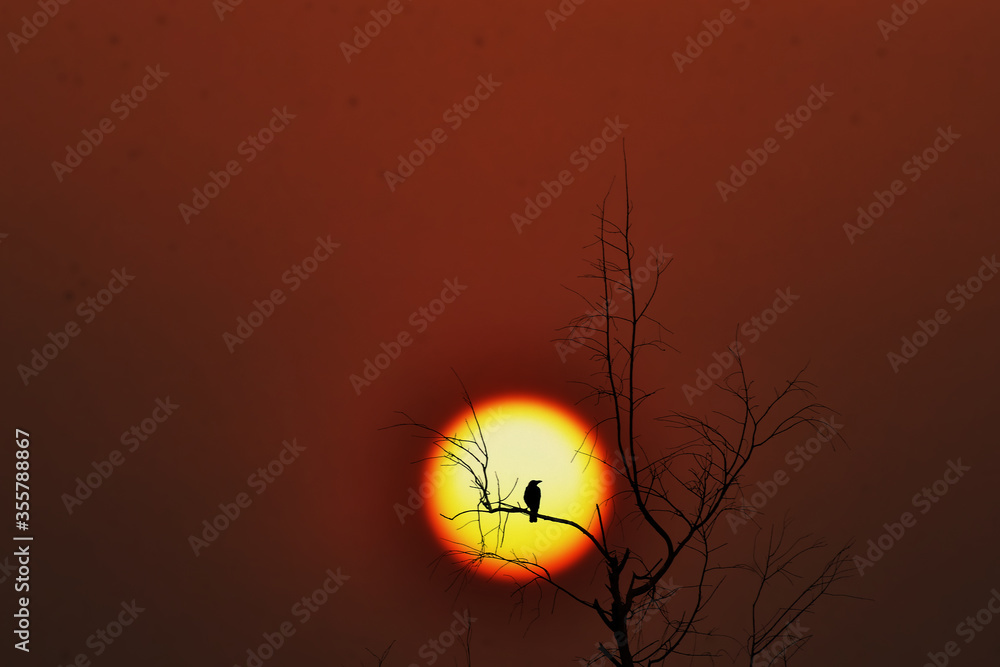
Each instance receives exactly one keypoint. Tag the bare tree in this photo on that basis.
(671, 494)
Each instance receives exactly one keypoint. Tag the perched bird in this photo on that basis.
(533, 498)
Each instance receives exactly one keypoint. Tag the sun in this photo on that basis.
(527, 438)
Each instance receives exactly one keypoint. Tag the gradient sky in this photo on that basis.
(343, 125)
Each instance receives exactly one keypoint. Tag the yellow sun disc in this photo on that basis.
(526, 438)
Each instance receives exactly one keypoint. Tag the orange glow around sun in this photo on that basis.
(527, 438)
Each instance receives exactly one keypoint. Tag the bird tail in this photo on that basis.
(532, 517)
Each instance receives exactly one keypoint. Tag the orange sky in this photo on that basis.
(256, 119)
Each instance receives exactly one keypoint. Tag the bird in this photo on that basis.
(533, 498)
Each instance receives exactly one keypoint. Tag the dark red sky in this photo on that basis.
(343, 125)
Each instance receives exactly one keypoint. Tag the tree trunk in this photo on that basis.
(621, 640)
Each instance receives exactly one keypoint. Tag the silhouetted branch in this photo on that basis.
(673, 491)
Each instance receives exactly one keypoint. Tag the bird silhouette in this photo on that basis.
(533, 498)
